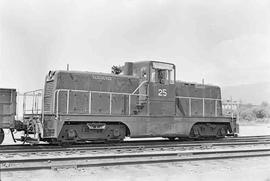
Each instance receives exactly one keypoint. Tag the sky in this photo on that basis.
(224, 42)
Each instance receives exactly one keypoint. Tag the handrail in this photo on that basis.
(35, 95)
(232, 107)
(101, 92)
(56, 93)
(143, 82)
(32, 91)
(200, 98)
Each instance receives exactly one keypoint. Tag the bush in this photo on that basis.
(249, 113)
(260, 112)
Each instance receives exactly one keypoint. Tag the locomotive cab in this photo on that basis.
(162, 89)
(157, 81)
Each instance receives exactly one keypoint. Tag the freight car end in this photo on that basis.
(2, 135)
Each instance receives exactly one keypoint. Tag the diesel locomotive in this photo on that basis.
(144, 100)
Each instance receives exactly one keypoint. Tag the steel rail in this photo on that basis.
(126, 159)
(129, 147)
(241, 138)
(132, 148)
(133, 145)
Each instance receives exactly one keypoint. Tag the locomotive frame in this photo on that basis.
(146, 101)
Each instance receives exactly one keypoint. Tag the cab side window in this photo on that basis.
(160, 76)
(144, 73)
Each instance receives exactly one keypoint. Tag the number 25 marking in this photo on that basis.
(162, 92)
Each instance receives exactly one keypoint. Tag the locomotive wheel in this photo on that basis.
(222, 132)
(195, 132)
(2, 135)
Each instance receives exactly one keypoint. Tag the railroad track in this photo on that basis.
(27, 157)
(29, 164)
(131, 147)
(240, 141)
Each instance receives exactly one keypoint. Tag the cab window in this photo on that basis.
(162, 73)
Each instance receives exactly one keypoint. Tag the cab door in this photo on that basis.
(162, 89)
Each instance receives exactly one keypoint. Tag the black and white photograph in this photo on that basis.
(134, 90)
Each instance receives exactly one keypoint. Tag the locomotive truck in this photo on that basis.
(144, 100)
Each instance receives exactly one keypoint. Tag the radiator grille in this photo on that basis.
(48, 97)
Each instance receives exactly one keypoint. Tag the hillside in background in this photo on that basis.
(248, 93)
